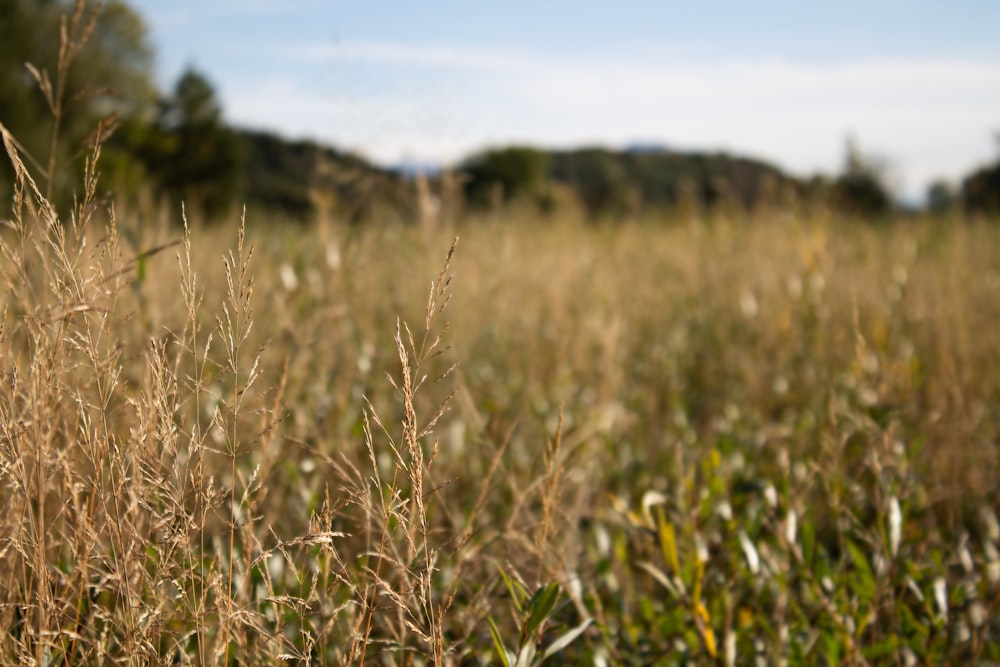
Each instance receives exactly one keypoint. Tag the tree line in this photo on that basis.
(59, 101)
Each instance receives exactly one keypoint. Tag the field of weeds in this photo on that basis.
(710, 441)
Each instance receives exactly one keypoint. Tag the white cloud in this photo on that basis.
(410, 56)
(928, 118)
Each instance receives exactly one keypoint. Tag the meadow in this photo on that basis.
(703, 440)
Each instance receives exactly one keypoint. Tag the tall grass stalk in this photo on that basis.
(705, 441)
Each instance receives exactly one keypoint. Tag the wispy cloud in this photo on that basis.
(438, 102)
(412, 56)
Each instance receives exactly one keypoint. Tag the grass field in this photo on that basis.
(657, 442)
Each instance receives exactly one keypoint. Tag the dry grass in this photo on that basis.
(774, 439)
(658, 442)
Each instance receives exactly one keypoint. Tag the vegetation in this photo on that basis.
(109, 82)
(188, 151)
(981, 190)
(291, 179)
(512, 173)
(636, 181)
(651, 442)
(701, 442)
(860, 190)
(177, 146)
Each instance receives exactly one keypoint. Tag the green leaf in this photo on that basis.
(517, 592)
(498, 642)
(867, 577)
(140, 271)
(882, 649)
(668, 542)
(566, 639)
(832, 648)
(540, 606)
(808, 533)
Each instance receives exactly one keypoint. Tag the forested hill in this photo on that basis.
(297, 177)
(178, 145)
(605, 181)
(301, 178)
(608, 180)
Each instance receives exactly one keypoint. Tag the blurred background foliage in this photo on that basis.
(176, 145)
(721, 441)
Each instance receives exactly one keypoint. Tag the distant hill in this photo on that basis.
(633, 180)
(608, 180)
(298, 177)
(301, 178)
(646, 147)
(981, 190)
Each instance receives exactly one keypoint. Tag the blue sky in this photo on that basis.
(917, 83)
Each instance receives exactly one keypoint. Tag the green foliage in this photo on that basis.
(105, 72)
(598, 176)
(616, 183)
(860, 190)
(277, 172)
(189, 151)
(533, 614)
(506, 174)
(941, 198)
(282, 176)
(981, 190)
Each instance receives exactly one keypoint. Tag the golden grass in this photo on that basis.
(239, 456)
(685, 441)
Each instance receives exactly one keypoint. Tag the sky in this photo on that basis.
(915, 83)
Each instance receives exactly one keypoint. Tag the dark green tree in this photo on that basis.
(941, 199)
(516, 172)
(637, 180)
(860, 190)
(190, 152)
(981, 189)
(600, 179)
(102, 72)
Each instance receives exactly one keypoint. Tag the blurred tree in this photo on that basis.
(302, 179)
(601, 180)
(631, 181)
(108, 76)
(981, 189)
(515, 172)
(941, 199)
(860, 190)
(189, 151)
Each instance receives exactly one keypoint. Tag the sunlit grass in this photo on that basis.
(654, 441)
(708, 440)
